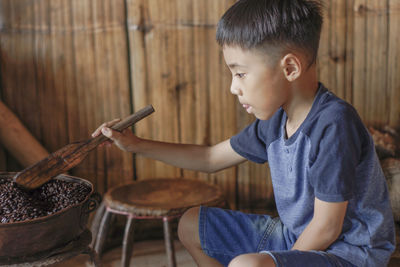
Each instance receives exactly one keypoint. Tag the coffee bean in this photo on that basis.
(20, 205)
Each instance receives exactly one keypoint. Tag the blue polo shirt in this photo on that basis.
(331, 157)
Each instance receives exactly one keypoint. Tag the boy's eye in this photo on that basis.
(240, 75)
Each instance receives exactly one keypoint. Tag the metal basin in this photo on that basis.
(24, 239)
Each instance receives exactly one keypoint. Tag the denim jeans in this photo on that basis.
(225, 234)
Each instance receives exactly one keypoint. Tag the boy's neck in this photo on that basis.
(303, 92)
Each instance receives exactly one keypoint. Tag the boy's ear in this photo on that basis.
(291, 67)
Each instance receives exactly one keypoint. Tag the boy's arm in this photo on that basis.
(193, 157)
(324, 228)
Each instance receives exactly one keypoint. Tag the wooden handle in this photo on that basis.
(125, 123)
(132, 119)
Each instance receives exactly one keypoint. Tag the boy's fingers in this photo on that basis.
(109, 133)
(106, 124)
(106, 131)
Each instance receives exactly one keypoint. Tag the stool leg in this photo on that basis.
(127, 244)
(102, 234)
(96, 222)
(93, 257)
(169, 245)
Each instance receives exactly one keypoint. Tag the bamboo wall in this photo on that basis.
(68, 65)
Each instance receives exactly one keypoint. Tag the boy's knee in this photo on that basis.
(252, 260)
(188, 227)
(241, 261)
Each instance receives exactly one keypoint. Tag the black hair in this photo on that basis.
(262, 24)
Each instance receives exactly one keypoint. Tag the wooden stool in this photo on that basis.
(164, 199)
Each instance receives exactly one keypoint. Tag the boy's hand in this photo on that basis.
(125, 140)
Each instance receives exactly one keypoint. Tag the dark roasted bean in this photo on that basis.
(19, 205)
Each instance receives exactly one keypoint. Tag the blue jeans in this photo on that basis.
(225, 234)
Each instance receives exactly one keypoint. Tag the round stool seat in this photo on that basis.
(161, 197)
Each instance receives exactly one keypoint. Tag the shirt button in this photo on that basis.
(290, 169)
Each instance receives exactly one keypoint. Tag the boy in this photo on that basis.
(329, 189)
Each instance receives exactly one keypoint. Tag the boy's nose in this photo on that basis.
(235, 90)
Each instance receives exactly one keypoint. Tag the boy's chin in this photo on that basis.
(264, 116)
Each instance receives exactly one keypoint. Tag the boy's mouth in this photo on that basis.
(246, 107)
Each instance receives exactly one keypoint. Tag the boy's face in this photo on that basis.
(258, 82)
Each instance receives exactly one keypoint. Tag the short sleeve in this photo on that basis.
(249, 143)
(335, 156)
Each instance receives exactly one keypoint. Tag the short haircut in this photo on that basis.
(290, 25)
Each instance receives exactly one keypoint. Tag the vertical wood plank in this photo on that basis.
(161, 90)
(137, 12)
(164, 67)
(324, 64)
(377, 97)
(120, 164)
(195, 23)
(83, 70)
(393, 70)
(100, 100)
(360, 53)
(185, 54)
(337, 53)
(349, 59)
(202, 24)
(141, 33)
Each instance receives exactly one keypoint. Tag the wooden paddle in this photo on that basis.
(70, 155)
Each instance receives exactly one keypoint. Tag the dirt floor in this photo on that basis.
(145, 254)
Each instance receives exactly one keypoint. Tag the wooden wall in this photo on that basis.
(68, 65)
